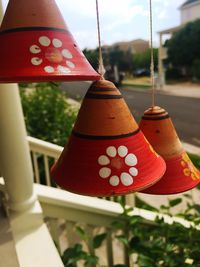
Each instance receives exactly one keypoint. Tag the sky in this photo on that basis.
(120, 20)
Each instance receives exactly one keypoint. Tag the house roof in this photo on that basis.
(189, 2)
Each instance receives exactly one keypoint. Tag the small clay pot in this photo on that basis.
(36, 45)
(181, 175)
(106, 154)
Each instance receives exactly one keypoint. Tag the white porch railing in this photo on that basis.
(64, 210)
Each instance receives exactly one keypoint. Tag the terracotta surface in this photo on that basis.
(181, 175)
(107, 154)
(99, 109)
(36, 13)
(35, 45)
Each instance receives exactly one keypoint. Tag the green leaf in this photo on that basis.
(117, 225)
(197, 207)
(90, 260)
(123, 239)
(187, 196)
(175, 202)
(81, 232)
(72, 255)
(98, 239)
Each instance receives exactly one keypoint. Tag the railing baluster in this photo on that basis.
(70, 233)
(46, 167)
(109, 248)
(36, 168)
(130, 200)
(53, 225)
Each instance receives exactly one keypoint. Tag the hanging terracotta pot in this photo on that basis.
(106, 154)
(36, 45)
(181, 175)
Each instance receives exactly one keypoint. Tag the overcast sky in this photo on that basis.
(121, 20)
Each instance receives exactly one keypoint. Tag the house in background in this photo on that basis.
(134, 46)
(189, 11)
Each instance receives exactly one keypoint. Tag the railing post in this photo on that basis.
(15, 161)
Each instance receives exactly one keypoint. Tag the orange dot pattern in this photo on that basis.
(188, 168)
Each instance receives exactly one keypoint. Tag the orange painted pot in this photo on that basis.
(36, 45)
(106, 154)
(181, 175)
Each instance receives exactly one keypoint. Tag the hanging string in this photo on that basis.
(101, 68)
(152, 55)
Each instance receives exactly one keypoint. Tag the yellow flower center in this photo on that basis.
(53, 55)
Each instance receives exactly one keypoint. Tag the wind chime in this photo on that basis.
(181, 175)
(107, 154)
(36, 45)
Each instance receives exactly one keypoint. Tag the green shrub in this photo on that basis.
(47, 114)
(196, 69)
(173, 74)
(157, 244)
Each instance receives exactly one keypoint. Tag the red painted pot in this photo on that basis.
(181, 175)
(36, 45)
(107, 154)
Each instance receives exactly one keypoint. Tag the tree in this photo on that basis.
(143, 60)
(111, 57)
(183, 47)
(92, 56)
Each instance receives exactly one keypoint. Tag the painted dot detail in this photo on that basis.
(66, 53)
(122, 151)
(131, 160)
(133, 171)
(111, 151)
(70, 64)
(105, 172)
(44, 40)
(126, 179)
(49, 69)
(57, 43)
(114, 180)
(63, 69)
(35, 49)
(36, 61)
(103, 160)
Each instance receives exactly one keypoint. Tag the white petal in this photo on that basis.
(36, 61)
(57, 43)
(105, 172)
(66, 53)
(35, 49)
(126, 179)
(114, 180)
(49, 69)
(63, 69)
(103, 160)
(44, 40)
(133, 171)
(70, 64)
(122, 151)
(131, 160)
(111, 151)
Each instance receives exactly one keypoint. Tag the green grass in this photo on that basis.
(134, 85)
